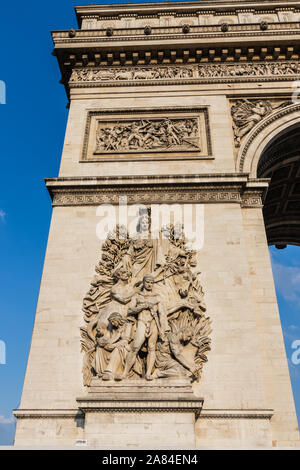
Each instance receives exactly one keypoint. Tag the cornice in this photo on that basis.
(46, 414)
(87, 404)
(180, 8)
(236, 414)
(170, 45)
(160, 33)
(188, 189)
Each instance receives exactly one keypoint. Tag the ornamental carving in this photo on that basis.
(145, 315)
(138, 74)
(247, 113)
(148, 135)
(249, 70)
(131, 73)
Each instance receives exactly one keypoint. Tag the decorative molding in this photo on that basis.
(253, 199)
(175, 32)
(140, 406)
(178, 9)
(143, 406)
(151, 189)
(146, 196)
(47, 414)
(236, 414)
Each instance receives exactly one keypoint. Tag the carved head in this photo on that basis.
(144, 221)
(260, 104)
(148, 282)
(116, 319)
(186, 335)
(101, 328)
(122, 273)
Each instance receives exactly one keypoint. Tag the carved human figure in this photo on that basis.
(172, 133)
(151, 324)
(170, 360)
(120, 295)
(246, 115)
(112, 346)
(189, 288)
(152, 135)
(135, 139)
(122, 291)
(145, 254)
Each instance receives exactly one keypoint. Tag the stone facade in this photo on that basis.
(156, 118)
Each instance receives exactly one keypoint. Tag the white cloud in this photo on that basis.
(287, 281)
(9, 420)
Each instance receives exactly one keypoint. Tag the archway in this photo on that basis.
(272, 150)
(280, 161)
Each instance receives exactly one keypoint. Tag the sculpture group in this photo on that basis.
(130, 73)
(144, 313)
(148, 134)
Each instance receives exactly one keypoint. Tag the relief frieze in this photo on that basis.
(148, 135)
(132, 73)
(226, 71)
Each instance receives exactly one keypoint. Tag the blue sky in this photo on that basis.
(32, 130)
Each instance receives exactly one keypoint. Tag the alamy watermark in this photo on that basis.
(2, 352)
(296, 353)
(153, 221)
(2, 92)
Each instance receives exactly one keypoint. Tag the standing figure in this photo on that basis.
(145, 254)
(151, 324)
(122, 291)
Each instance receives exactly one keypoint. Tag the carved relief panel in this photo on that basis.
(174, 133)
(144, 314)
(246, 113)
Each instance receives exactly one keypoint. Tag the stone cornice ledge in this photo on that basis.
(142, 406)
(236, 414)
(95, 404)
(151, 189)
(43, 413)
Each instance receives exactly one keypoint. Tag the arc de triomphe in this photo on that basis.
(193, 106)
